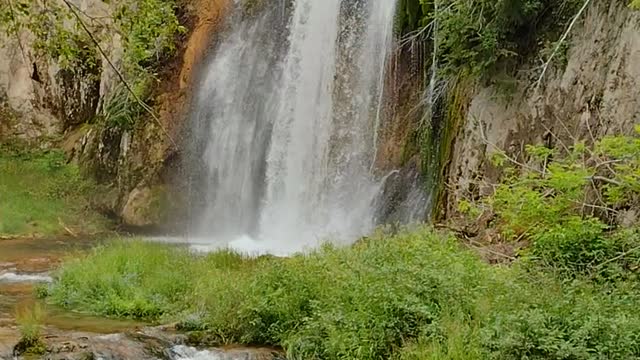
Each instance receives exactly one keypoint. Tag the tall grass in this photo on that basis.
(415, 295)
(30, 319)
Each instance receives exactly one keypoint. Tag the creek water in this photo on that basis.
(26, 262)
(286, 118)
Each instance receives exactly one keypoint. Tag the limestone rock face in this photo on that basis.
(46, 105)
(596, 94)
(45, 98)
(145, 207)
(135, 211)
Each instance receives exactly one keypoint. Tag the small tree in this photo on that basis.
(569, 203)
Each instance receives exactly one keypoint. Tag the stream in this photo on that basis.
(26, 262)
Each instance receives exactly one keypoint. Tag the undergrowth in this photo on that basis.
(575, 204)
(414, 295)
(476, 36)
(30, 319)
(40, 194)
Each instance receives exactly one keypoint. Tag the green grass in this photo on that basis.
(41, 195)
(415, 295)
(30, 319)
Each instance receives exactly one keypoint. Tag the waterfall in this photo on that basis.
(288, 115)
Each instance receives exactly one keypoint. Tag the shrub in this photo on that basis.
(567, 204)
(416, 295)
(474, 36)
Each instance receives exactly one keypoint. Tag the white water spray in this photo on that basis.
(292, 126)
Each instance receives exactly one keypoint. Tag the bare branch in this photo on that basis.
(607, 180)
(560, 42)
(502, 152)
(618, 257)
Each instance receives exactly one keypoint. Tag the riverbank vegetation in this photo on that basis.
(42, 195)
(30, 319)
(576, 205)
(413, 295)
(571, 292)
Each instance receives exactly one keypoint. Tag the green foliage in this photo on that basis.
(566, 203)
(148, 29)
(30, 320)
(121, 109)
(474, 36)
(40, 194)
(127, 280)
(635, 4)
(56, 33)
(542, 319)
(416, 295)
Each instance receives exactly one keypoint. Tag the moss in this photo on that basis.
(42, 194)
(437, 139)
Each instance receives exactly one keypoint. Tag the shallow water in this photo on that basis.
(26, 262)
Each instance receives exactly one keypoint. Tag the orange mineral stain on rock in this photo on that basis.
(209, 16)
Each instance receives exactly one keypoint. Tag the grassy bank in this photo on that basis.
(42, 195)
(416, 295)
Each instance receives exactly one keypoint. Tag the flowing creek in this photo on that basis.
(25, 262)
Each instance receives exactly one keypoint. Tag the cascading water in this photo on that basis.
(290, 125)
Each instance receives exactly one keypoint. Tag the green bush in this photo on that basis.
(474, 36)
(30, 323)
(416, 295)
(568, 205)
(149, 30)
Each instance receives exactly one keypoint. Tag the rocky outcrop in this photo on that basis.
(143, 344)
(42, 103)
(595, 94)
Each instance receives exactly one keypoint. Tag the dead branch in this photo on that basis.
(560, 42)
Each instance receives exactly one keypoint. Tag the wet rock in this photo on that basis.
(144, 207)
(182, 352)
(150, 343)
(402, 197)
